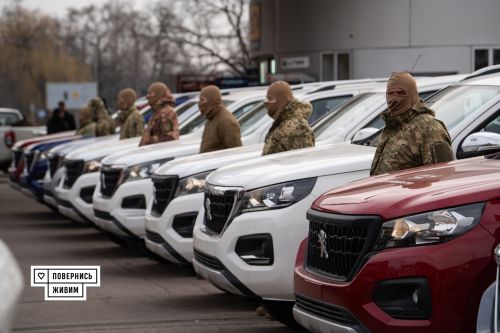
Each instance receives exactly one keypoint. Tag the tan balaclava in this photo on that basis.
(401, 93)
(96, 106)
(278, 95)
(158, 93)
(85, 116)
(210, 98)
(126, 99)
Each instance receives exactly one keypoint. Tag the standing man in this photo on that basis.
(222, 130)
(290, 129)
(87, 126)
(132, 124)
(61, 120)
(412, 137)
(163, 125)
(104, 125)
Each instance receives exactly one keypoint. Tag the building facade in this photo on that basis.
(318, 40)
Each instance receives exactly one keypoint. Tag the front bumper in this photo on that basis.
(71, 204)
(317, 324)
(113, 217)
(457, 272)
(49, 187)
(166, 241)
(287, 227)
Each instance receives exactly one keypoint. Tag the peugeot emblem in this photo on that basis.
(207, 207)
(322, 243)
(154, 196)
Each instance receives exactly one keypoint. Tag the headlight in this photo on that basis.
(429, 228)
(92, 166)
(192, 184)
(276, 196)
(145, 170)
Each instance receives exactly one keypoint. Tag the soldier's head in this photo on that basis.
(85, 115)
(401, 93)
(278, 95)
(126, 99)
(97, 108)
(157, 92)
(210, 96)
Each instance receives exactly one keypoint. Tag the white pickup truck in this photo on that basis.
(11, 130)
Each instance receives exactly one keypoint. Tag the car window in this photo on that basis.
(7, 118)
(183, 107)
(351, 112)
(324, 105)
(453, 104)
(254, 119)
(198, 122)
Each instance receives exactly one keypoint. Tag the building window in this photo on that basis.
(273, 66)
(335, 66)
(484, 57)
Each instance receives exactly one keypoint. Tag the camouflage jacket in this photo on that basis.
(290, 130)
(104, 124)
(163, 125)
(86, 129)
(133, 124)
(221, 131)
(412, 139)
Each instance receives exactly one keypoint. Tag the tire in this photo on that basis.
(282, 311)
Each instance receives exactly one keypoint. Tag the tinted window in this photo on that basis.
(323, 106)
(7, 118)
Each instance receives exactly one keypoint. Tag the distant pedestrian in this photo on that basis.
(222, 129)
(412, 137)
(103, 122)
(131, 121)
(87, 126)
(61, 120)
(290, 129)
(163, 125)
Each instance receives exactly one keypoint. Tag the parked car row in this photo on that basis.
(306, 232)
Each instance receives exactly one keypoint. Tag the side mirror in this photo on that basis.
(364, 133)
(481, 141)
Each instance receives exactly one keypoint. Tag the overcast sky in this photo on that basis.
(59, 7)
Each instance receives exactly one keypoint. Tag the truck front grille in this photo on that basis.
(221, 204)
(164, 188)
(74, 169)
(338, 243)
(111, 178)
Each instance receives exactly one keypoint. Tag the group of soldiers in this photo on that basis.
(412, 136)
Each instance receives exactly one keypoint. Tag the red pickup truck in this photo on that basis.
(411, 251)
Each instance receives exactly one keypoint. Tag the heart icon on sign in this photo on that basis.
(41, 275)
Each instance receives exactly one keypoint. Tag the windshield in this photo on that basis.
(255, 118)
(453, 104)
(196, 123)
(348, 114)
(184, 107)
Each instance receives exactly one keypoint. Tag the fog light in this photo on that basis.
(256, 250)
(406, 298)
(183, 224)
(86, 194)
(134, 202)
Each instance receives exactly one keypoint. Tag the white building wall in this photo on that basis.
(381, 62)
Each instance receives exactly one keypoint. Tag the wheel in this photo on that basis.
(282, 311)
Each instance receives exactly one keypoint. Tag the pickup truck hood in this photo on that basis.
(99, 150)
(66, 148)
(416, 190)
(191, 165)
(159, 151)
(293, 165)
(25, 142)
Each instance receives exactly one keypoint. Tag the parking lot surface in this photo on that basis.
(137, 294)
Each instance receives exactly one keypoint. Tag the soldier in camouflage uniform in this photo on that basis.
(87, 126)
(132, 123)
(104, 123)
(412, 137)
(163, 125)
(290, 129)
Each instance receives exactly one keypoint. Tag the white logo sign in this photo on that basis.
(65, 283)
(322, 243)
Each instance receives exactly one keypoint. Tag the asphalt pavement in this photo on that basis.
(137, 294)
